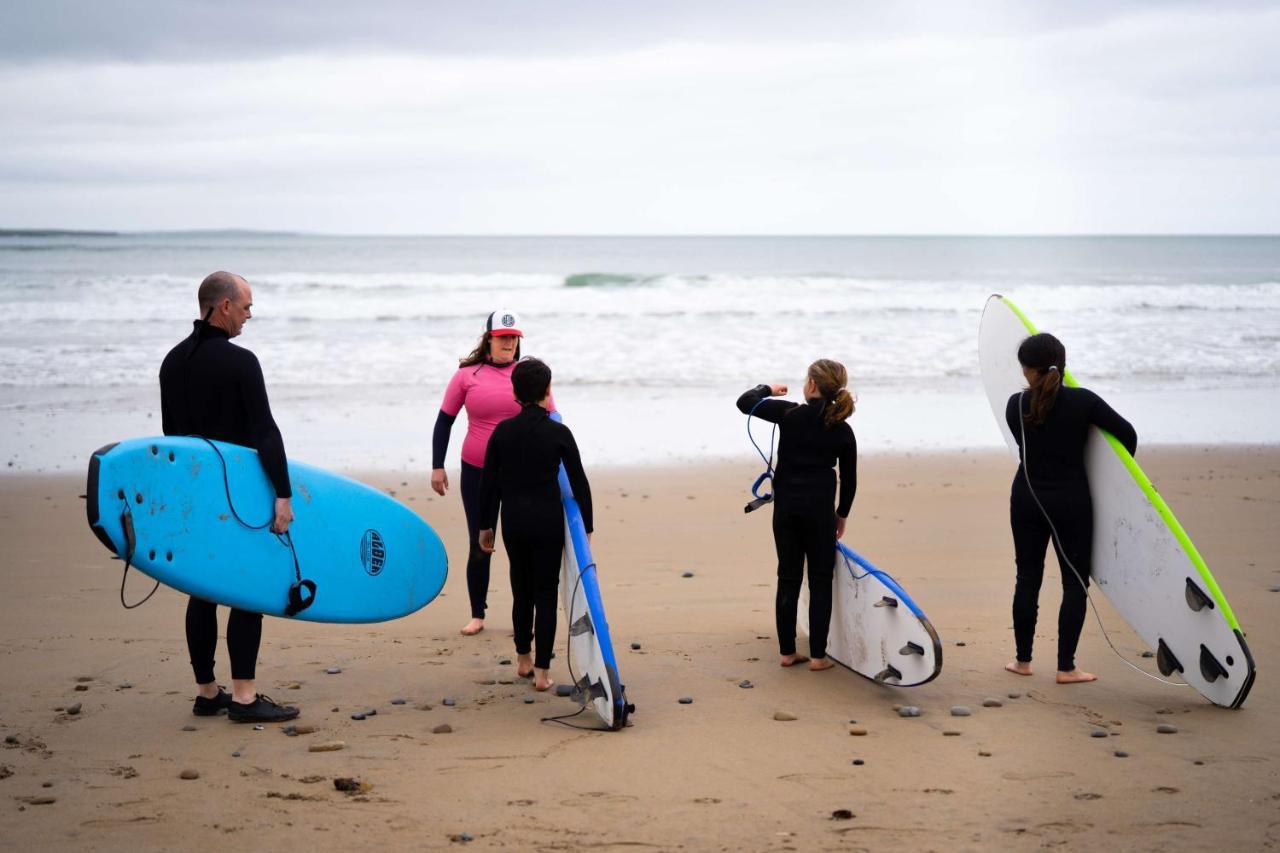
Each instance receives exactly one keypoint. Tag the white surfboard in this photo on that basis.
(1143, 560)
(877, 630)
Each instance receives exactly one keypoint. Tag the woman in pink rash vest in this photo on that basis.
(482, 386)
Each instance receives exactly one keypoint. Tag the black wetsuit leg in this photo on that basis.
(535, 580)
(1072, 514)
(244, 637)
(477, 560)
(202, 637)
(820, 553)
(797, 536)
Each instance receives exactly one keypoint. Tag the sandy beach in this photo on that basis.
(718, 774)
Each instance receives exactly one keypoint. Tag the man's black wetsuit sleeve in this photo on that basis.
(848, 459)
(769, 410)
(1106, 418)
(490, 491)
(577, 478)
(440, 438)
(264, 435)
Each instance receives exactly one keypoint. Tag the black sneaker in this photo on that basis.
(261, 710)
(212, 707)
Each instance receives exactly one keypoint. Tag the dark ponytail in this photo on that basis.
(1046, 355)
(830, 377)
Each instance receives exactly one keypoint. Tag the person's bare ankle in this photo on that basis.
(207, 691)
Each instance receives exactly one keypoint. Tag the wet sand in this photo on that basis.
(718, 774)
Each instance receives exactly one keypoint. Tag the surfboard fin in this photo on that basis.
(1209, 666)
(887, 673)
(1166, 661)
(886, 601)
(1196, 598)
(912, 649)
(581, 625)
(584, 691)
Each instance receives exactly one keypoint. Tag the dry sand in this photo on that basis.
(719, 774)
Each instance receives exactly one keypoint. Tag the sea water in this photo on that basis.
(650, 338)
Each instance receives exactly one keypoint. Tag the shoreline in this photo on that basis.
(721, 773)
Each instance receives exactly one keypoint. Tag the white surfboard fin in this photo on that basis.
(912, 649)
(581, 625)
(584, 691)
(1209, 666)
(887, 601)
(1196, 598)
(887, 673)
(1166, 660)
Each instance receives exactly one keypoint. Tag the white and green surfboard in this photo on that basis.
(1143, 561)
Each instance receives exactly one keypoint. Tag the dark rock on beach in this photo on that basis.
(74, 709)
(960, 711)
(563, 690)
(442, 729)
(686, 700)
(1166, 729)
(449, 703)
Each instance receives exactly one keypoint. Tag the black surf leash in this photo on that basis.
(759, 499)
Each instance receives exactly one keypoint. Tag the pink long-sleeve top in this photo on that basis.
(484, 390)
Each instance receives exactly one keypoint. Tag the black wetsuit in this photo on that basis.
(1054, 454)
(477, 561)
(520, 481)
(212, 388)
(804, 491)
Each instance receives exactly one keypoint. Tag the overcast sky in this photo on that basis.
(596, 117)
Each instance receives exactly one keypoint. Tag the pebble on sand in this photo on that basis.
(961, 644)
(982, 753)
(333, 670)
(1166, 729)
(528, 700)
(857, 731)
(72, 710)
(687, 575)
(1120, 753)
(80, 688)
(563, 690)
(992, 703)
(1014, 695)
(635, 647)
(399, 701)
(505, 662)
(960, 711)
(686, 700)
(908, 711)
(327, 746)
(442, 729)
(188, 728)
(449, 703)
(783, 716)
(842, 814)
(42, 801)
(11, 739)
(1148, 654)
(84, 678)
(189, 773)
(357, 716)
(1098, 733)
(745, 684)
(858, 762)
(951, 733)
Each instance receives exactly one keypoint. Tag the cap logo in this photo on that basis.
(508, 321)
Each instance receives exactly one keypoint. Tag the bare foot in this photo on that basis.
(792, 660)
(1018, 667)
(1075, 676)
(524, 665)
(542, 680)
(819, 664)
(475, 626)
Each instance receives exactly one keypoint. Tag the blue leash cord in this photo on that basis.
(767, 497)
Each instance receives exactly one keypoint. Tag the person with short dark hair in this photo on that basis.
(212, 388)
(520, 481)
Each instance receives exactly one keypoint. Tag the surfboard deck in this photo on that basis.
(592, 661)
(877, 630)
(1143, 560)
(371, 557)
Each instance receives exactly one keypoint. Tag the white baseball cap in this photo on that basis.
(503, 323)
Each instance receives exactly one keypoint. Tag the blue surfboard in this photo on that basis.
(162, 503)
(592, 663)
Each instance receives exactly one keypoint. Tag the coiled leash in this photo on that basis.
(767, 476)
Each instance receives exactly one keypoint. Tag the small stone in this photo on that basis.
(858, 762)
(449, 703)
(908, 711)
(1166, 729)
(442, 729)
(505, 662)
(1198, 763)
(46, 784)
(80, 688)
(235, 754)
(11, 739)
(462, 837)
(333, 670)
(1014, 695)
(189, 773)
(188, 728)
(357, 716)
(1120, 753)
(72, 710)
(84, 679)
(842, 814)
(259, 728)
(687, 575)
(858, 731)
(1148, 654)
(327, 746)
(1098, 733)
(961, 644)
(982, 753)
(372, 712)
(563, 690)
(951, 733)
(635, 647)
(960, 711)
(304, 729)
(528, 700)
(1275, 589)
(745, 684)
(686, 700)
(783, 716)
(992, 703)
(42, 801)
(347, 784)
(125, 686)
(399, 701)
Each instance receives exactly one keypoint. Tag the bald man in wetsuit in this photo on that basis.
(214, 389)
